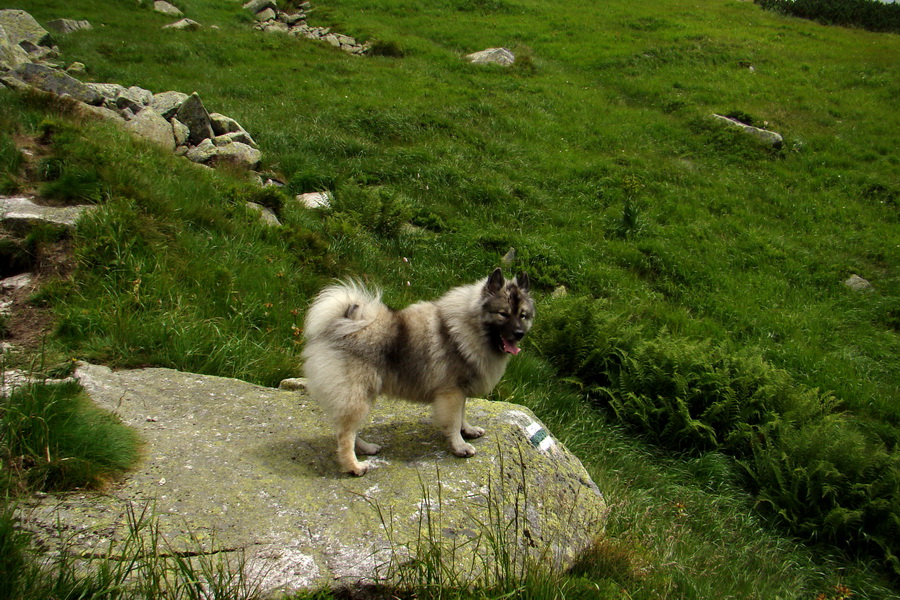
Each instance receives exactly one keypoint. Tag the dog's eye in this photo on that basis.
(503, 314)
(524, 316)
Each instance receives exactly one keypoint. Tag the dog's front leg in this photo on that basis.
(449, 407)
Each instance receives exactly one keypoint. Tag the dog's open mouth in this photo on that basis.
(509, 346)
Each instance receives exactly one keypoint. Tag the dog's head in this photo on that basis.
(508, 311)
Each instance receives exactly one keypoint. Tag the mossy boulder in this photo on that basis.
(238, 468)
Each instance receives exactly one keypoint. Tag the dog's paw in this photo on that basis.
(464, 450)
(471, 432)
(366, 448)
(359, 469)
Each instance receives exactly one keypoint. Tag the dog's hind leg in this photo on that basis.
(449, 407)
(353, 412)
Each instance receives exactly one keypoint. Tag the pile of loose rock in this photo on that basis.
(174, 120)
(270, 18)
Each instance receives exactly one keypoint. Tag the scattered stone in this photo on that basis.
(180, 131)
(133, 99)
(257, 6)
(57, 82)
(37, 53)
(66, 26)
(168, 103)
(509, 258)
(253, 470)
(15, 378)
(193, 114)
(315, 199)
(183, 25)
(107, 114)
(11, 54)
(21, 26)
(769, 138)
(266, 15)
(16, 282)
(202, 152)
(21, 212)
(270, 19)
(235, 136)
(294, 384)
(172, 119)
(150, 125)
(291, 20)
(857, 283)
(560, 292)
(109, 91)
(165, 8)
(76, 67)
(495, 56)
(243, 155)
(223, 125)
(266, 215)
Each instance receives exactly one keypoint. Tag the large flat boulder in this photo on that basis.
(251, 470)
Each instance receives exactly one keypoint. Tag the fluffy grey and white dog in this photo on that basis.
(437, 352)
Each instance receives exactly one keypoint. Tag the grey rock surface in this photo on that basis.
(161, 6)
(150, 125)
(193, 114)
(857, 283)
(57, 82)
(764, 136)
(66, 26)
(21, 26)
(238, 468)
(240, 154)
(492, 56)
(11, 53)
(22, 212)
(168, 103)
(183, 25)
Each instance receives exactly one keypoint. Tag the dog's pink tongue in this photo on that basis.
(510, 347)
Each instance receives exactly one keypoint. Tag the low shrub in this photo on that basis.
(378, 209)
(868, 14)
(810, 467)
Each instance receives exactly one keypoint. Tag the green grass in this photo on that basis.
(595, 158)
(140, 566)
(53, 438)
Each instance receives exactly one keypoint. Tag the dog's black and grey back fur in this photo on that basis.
(437, 352)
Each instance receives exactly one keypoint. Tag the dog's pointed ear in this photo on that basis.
(495, 281)
(523, 282)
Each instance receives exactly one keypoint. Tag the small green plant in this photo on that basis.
(11, 161)
(378, 209)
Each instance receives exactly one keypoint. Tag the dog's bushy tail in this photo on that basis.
(341, 309)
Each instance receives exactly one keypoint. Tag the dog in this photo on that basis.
(438, 352)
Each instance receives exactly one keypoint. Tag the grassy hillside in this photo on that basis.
(707, 351)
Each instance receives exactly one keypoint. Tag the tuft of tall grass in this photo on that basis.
(53, 438)
(498, 560)
(140, 565)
